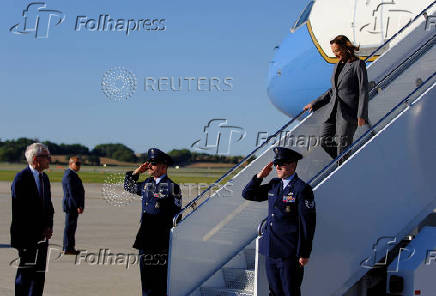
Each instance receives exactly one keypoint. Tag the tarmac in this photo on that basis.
(102, 226)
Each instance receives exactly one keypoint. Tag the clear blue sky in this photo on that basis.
(51, 87)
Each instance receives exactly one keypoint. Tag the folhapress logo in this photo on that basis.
(218, 136)
(38, 19)
(105, 23)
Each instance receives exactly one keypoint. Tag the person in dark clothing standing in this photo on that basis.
(346, 101)
(161, 201)
(73, 204)
(286, 241)
(32, 221)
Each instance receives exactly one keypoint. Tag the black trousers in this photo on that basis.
(153, 267)
(336, 135)
(284, 276)
(70, 230)
(30, 277)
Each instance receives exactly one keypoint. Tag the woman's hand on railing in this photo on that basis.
(308, 107)
(265, 171)
(303, 261)
(361, 121)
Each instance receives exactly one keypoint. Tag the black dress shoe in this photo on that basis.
(71, 252)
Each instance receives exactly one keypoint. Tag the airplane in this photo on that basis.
(302, 64)
(376, 211)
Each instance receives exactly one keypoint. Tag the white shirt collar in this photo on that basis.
(35, 174)
(157, 180)
(287, 180)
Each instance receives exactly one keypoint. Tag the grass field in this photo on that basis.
(94, 174)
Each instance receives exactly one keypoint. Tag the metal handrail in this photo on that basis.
(260, 227)
(193, 204)
(401, 30)
(397, 71)
(370, 131)
(352, 146)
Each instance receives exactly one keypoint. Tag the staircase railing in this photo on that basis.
(197, 201)
(327, 170)
(193, 205)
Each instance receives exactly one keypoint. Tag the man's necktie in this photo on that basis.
(41, 189)
(281, 188)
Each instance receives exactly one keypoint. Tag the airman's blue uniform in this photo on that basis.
(160, 203)
(289, 230)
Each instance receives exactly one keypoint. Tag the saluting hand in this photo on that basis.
(265, 171)
(142, 168)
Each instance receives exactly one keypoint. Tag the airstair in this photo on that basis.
(383, 189)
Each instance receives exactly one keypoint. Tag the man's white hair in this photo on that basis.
(33, 150)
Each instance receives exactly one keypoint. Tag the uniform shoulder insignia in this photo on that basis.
(309, 204)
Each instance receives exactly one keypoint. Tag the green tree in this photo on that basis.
(181, 156)
(116, 151)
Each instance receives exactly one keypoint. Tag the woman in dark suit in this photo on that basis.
(346, 101)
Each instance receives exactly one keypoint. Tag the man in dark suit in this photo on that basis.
(73, 204)
(161, 201)
(286, 241)
(346, 101)
(32, 220)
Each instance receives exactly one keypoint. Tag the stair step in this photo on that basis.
(224, 292)
(239, 278)
(250, 258)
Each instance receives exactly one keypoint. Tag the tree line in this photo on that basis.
(13, 151)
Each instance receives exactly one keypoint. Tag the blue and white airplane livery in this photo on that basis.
(303, 63)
